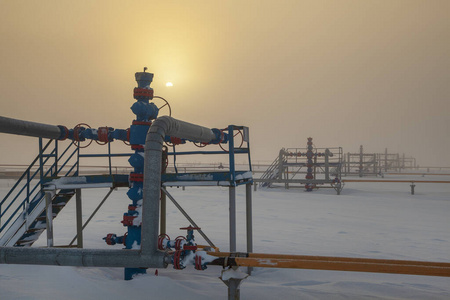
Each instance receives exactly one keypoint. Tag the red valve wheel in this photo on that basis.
(76, 136)
(190, 228)
(242, 140)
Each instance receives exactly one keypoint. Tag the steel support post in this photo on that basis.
(56, 159)
(339, 188)
(41, 160)
(79, 217)
(361, 161)
(233, 283)
(412, 188)
(348, 163)
(248, 201)
(280, 164)
(385, 160)
(375, 164)
(234, 288)
(327, 164)
(232, 207)
(162, 220)
(93, 213)
(49, 218)
(315, 167)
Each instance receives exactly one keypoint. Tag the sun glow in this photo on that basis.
(169, 84)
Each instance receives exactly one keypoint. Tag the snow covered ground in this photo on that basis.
(371, 220)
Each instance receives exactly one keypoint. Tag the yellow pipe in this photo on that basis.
(338, 263)
(442, 269)
(410, 181)
(324, 258)
(417, 174)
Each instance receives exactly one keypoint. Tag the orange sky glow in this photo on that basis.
(347, 73)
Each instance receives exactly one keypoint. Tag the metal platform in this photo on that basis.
(207, 179)
(168, 179)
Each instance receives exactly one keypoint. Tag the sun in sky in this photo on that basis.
(169, 84)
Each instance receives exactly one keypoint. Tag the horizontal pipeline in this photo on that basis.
(410, 181)
(335, 263)
(419, 174)
(81, 257)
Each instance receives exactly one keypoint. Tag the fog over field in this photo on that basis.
(347, 73)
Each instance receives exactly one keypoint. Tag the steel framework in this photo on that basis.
(375, 164)
(308, 167)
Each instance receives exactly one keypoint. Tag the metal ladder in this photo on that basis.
(25, 220)
(270, 172)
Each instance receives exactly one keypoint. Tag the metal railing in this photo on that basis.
(24, 188)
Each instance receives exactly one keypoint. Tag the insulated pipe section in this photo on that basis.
(79, 257)
(27, 128)
(152, 171)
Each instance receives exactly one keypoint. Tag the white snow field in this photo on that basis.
(370, 220)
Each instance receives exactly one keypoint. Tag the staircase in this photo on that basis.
(271, 172)
(29, 215)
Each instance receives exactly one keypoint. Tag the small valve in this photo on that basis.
(110, 238)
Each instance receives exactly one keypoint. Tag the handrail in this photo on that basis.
(24, 173)
(270, 169)
(31, 194)
(68, 159)
(27, 185)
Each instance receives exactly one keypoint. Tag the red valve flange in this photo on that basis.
(161, 238)
(142, 92)
(128, 220)
(136, 177)
(178, 241)
(198, 263)
(177, 260)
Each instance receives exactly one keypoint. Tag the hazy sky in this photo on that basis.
(347, 73)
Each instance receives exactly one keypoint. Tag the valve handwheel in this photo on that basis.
(76, 136)
(164, 105)
(237, 133)
(190, 228)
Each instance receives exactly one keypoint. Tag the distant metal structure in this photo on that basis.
(361, 164)
(375, 164)
(391, 162)
(308, 167)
